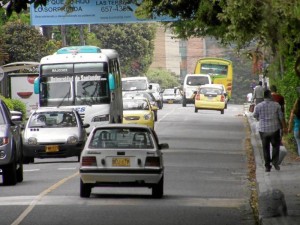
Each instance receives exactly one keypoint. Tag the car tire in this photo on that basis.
(27, 160)
(196, 110)
(155, 115)
(85, 190)
(222, 111)
(9, 173)
(20, 173)
(158, 189)
(160, 105)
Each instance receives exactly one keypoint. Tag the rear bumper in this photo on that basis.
(210, 105)
(121, 177)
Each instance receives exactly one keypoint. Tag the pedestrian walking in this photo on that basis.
(258, 93)
(271, 120)
(294, 124)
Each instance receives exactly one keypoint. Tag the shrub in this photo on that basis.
(15, 104)
(20, 106)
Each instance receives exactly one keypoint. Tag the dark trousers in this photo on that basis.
(268, 138)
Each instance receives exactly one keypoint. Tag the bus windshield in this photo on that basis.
(70, 90)
(214, 69)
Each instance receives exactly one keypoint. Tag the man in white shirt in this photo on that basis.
(258, 93)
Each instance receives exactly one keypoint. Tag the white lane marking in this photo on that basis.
(32, 170)
(67, 168)
(38, 198)
(94, 201)
(157, 122)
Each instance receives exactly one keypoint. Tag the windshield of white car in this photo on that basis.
(53, 119)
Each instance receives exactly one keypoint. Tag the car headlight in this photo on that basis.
(147, 116)
(4, 140)
(72, 140)
(32, 141)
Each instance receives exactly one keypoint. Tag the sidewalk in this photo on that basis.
(276, 189)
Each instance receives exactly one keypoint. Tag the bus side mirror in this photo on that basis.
(36, 85)
(111, 81)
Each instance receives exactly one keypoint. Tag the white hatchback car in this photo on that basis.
(122, 155)
(53, 133)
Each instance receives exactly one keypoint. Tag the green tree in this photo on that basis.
(23, 42)
(165, 78)
(134, 43)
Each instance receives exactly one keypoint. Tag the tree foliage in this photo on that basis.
(134, 43)
(165, 78)
(23, 42)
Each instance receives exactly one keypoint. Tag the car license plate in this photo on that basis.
(125, 162)
(52, 148)
(170, 101)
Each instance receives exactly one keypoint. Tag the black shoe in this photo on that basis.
(268, 169)
(277, 167)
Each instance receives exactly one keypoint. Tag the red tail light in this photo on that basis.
(222, 98)
(197, 97)
(89, 161)
(152, 161)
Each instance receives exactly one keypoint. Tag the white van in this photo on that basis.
(135, 84)
(191, 84)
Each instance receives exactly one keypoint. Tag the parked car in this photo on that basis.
(138, 111)
(172, 95)
(144, 94)
(122, 155)
(53, 133)
(210, 97)
(11, 158)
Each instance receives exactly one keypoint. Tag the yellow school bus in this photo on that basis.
(220, 70)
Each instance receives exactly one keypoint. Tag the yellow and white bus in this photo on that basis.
(85, 78)
(220, 70)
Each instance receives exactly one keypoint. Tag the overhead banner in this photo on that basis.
(88, 12)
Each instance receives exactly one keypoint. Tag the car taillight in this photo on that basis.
(89, 161)
(197, 97)
(152, 161)
(222, 98)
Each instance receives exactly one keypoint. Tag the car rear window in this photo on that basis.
(197, 80)
(119, 138)
(215, 91)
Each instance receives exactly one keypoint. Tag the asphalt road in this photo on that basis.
(205, 180)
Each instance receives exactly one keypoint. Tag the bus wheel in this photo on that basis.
(222, 111)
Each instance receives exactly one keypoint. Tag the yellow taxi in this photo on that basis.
(210, 97)
(138, 111)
